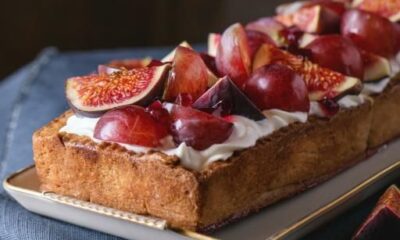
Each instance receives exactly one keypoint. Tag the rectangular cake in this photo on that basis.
(203, 139)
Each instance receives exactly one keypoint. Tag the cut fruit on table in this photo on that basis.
(384, 220)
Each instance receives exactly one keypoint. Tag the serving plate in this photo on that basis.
(289, 219)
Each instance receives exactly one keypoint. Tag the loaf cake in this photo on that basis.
(203, 139)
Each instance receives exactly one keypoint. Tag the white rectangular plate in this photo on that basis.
(289, 219)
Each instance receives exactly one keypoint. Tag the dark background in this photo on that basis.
(26, 27)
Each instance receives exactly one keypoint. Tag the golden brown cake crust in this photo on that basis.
(288, 161)
(386, 115)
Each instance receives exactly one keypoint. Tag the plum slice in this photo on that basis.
(211, 68)
(270, 27)
(225, 98)
(370, 32)
(385, 8)
(276, 86)
(214, 40)
(337, 53)
(170, 56)
(321, 82)
(384, 221)
(255, 39)
(375, 67)
(188, 75)
(193, 127)
(233, 54)
(130, 125)
(94, 94)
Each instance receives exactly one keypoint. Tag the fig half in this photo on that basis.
(94, 94)
(384, 221)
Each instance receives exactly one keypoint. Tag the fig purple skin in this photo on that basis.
(384, 221)
(225, 98)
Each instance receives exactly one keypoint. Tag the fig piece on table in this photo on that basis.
(130, 125)
(270, 27)
(198, 129)
(214, 40)
(375, 67)
(94, 94)
(337, 53)
(384, 221)
(386, 8)
(276, 86)
(233, 54)
(370, 32)
(188, 75)
(321, 82)
(225, 98)
(170, 56)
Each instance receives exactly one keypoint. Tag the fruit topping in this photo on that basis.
(184, 99)
(375, 67)
(130, 63)
(159, 113)
(385, 8)
(155, 63)
(270, 27)
(296, 40)
(306, 39)
(384, 221)
(370, 32)
(170, 56)
(276, 86)
(214, 40)
(94, 94)
(256, 39)
(233, 54)
(188, 75)
(328, 107)
(337, 53)
(198, 129)
(321, 82)
(104, 69)
(314, 18)
(130, 125)
(127, 64)
(211, 68)
(225, 98)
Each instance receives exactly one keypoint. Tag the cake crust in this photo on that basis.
(386, 115)
(280, 165)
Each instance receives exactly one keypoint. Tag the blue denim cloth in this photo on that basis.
(32, 97)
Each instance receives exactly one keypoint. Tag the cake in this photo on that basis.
(203, 139)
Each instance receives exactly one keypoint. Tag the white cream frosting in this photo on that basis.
(375, 87)
(245, 134)
(348, 101)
